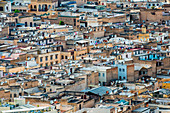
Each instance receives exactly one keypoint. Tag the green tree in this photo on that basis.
(16, 11)
(61, 23)
(153, 7)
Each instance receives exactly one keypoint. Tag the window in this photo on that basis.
(16, 20)
(25, 24)
(77, 20)
(103, 74)
(99, 74)
(119, 69)
(62, 57)
(15, 95)
(1, 9)
(119, 57)
(123, 77)
(94, 29)
(49, 6)
(154, 55)
(153, 13)
(40, 65)
(30, 24)
(51, 57)
(51, 63)
(143, 72)
(46, 64)
(41, 59)
(46, 58)
(79, 106)
(121, 108)
(26, 84)
(56, 62)
(123, 70)
(56, 56)
(74, 22)
(65, 57)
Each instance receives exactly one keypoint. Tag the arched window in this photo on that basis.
(39, 7)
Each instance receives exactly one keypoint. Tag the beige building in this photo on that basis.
(52, 58)
(42, 6)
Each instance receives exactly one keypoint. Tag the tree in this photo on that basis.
(61, 23)
(153, 7)
(16, 11)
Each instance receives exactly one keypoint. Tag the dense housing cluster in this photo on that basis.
(84, 56)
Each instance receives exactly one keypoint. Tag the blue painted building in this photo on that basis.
(152, 56)
(122, 71)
